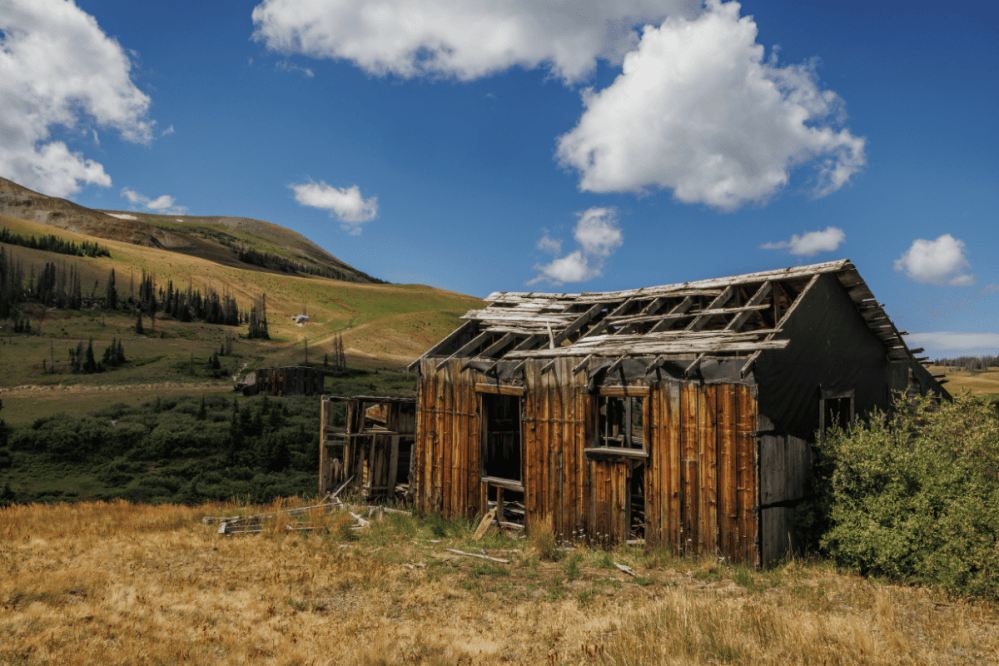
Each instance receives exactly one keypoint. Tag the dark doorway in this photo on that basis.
(501, 436)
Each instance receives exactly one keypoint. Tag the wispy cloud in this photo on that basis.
(161, 204)
(990, 288)
(168, 130)
(344, 203)
(597, 237)
(810, 243)
(939, 261)
(951, 341)
(292, 67)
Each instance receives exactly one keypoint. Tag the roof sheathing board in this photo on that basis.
(604, 323)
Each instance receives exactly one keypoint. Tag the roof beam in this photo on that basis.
(678, 309)
(780, 325)
(491, 349)
(702, 319)
(757, 299)
(602, 325)
(465, 349)
(452, 337)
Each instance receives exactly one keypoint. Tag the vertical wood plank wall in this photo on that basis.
(700, 476)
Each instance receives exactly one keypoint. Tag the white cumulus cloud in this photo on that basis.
(464, 39)
(810, 243)
(597, 236)
(697, 109)
(346, 203)
(59, 70)
(161, 204)
(951, 341)
(939, 261)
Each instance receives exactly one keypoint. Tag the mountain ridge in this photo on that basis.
(228, 240)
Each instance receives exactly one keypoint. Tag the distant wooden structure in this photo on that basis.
(680, 414)
(373, 449)
(291, 380)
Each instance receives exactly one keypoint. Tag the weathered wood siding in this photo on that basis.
(700, 475)
(701, 472)
(447, 468)
(785, 466)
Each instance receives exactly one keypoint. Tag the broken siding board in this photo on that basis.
(674, 457)
(531, 446)
(690, 472)
(747, 475)
(707, 470)
(727, 471)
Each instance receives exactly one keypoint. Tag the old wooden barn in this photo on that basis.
(291, 380)
(679, 414)
(372, 449)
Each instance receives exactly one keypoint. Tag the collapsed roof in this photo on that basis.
(723, 318)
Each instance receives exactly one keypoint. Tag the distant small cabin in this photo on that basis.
(372, 450)
(681, 414)
(292, 380)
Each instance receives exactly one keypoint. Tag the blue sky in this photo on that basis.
(569, 147)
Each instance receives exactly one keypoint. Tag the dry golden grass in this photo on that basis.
(130, 584)
(977, 383)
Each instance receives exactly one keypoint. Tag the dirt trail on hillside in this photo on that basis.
(87, 388)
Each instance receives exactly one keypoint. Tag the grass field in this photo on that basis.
(134, 584)
(984, 382)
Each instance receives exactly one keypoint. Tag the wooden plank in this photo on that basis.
(756, 301)
(727, 472)
(530, 470)
(473, 435)
(562, 434)
(443, 344)
(690, 491)
(780, 324)
(602, 325)
(708, 438)
(458, 471)
(747, 481)
(393, 468)
(584, 436)
(499, 389)
(484, 525)
(467, 348)
(508, 484)
(672, 316)
(611, 347)
(674, 471)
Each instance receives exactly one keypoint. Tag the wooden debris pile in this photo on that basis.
(255, 524)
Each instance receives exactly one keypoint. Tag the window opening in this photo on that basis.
(835, 409)
(501, 418)
(619, 422)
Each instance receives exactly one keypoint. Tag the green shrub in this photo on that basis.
(914, 495)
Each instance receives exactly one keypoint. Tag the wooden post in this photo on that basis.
(393, 471)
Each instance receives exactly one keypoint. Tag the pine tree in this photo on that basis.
(139, 330)
(90, 364)
(111, 301)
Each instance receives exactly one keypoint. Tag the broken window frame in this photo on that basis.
(631, 445)
(486, 392)
(825, 397)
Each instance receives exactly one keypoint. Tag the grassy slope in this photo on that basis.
(977, 383)
(382, 325)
